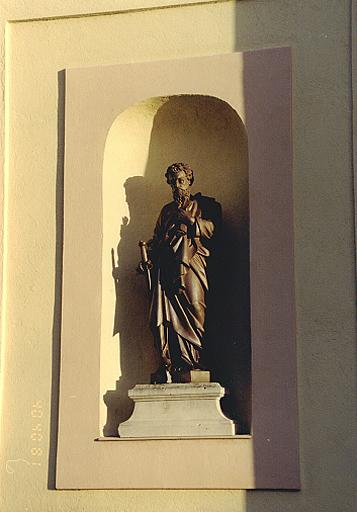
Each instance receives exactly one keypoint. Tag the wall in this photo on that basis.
(319, 33)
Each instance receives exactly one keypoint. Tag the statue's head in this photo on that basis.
(179, 174)
(180, 178)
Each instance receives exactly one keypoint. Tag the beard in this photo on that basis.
(180, 196)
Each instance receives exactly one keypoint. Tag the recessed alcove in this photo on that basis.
(143, 140)
(117, 147)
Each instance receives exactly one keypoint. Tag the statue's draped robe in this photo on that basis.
(180, 255)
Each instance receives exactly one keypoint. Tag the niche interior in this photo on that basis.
(207, 133)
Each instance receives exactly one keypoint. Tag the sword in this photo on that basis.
(145, 263)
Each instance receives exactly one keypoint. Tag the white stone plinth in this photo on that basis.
(177, 410)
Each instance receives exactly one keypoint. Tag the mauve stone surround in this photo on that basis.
(94, 97)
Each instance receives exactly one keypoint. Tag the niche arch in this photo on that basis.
(142, 141)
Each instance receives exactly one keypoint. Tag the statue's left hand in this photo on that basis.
(185, 217)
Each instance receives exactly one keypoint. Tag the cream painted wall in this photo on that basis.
(318, 31)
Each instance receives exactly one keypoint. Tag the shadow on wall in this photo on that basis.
(209, 135)
(56, 326)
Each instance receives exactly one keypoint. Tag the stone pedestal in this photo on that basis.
(177, 410)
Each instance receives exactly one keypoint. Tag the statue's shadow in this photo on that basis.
(137, 356)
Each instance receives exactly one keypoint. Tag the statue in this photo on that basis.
(175, 262)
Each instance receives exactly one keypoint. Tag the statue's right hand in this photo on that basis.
(140, 268)
(143, 266)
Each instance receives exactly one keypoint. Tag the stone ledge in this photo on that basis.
(236, 437)
(177, 391)
(177, 410)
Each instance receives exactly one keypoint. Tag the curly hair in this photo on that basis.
(173, 170)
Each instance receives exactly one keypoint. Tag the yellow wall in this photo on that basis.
(318, 31)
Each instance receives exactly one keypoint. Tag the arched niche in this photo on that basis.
(143, 140)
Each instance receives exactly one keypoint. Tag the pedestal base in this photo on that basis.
(177, 410)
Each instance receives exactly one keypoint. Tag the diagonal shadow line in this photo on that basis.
(57, 310)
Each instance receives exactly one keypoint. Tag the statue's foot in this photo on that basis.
(160, 376)
(185, 375)
(181, 375)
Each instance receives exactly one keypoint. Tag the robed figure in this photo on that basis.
(179, 254)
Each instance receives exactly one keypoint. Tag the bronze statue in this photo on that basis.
(176, 262)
